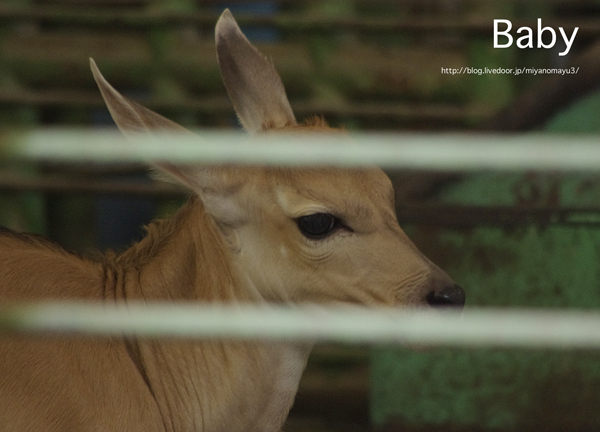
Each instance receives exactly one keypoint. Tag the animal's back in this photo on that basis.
(60, 383)
(52, 384)
(33, 268)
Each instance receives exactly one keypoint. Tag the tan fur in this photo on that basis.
(235, 241)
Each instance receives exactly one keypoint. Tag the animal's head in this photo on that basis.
(313, 234)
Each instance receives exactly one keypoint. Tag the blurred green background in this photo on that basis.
(519, 240)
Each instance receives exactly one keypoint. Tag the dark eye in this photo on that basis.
(317, 226)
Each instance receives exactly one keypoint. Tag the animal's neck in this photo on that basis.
(184, 258)
(216, 385)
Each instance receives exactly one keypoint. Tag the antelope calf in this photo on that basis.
(248, 234)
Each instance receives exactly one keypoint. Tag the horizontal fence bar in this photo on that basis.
(475, 327)
(447, 152)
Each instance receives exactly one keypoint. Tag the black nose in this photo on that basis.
(453, 296)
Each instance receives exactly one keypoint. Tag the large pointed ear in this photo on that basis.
(251, 81)
(136, 121)
(215, 185)
(131, 118)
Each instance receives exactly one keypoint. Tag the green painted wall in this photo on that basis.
(444, 389)
(528, 265)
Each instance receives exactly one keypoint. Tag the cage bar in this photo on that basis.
(475, 327)
(440, 152)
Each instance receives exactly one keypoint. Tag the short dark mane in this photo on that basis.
(157, 235)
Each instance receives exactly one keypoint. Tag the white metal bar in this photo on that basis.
(474, 327)
(417, 151)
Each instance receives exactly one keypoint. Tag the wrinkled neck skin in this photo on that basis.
(205, 386)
